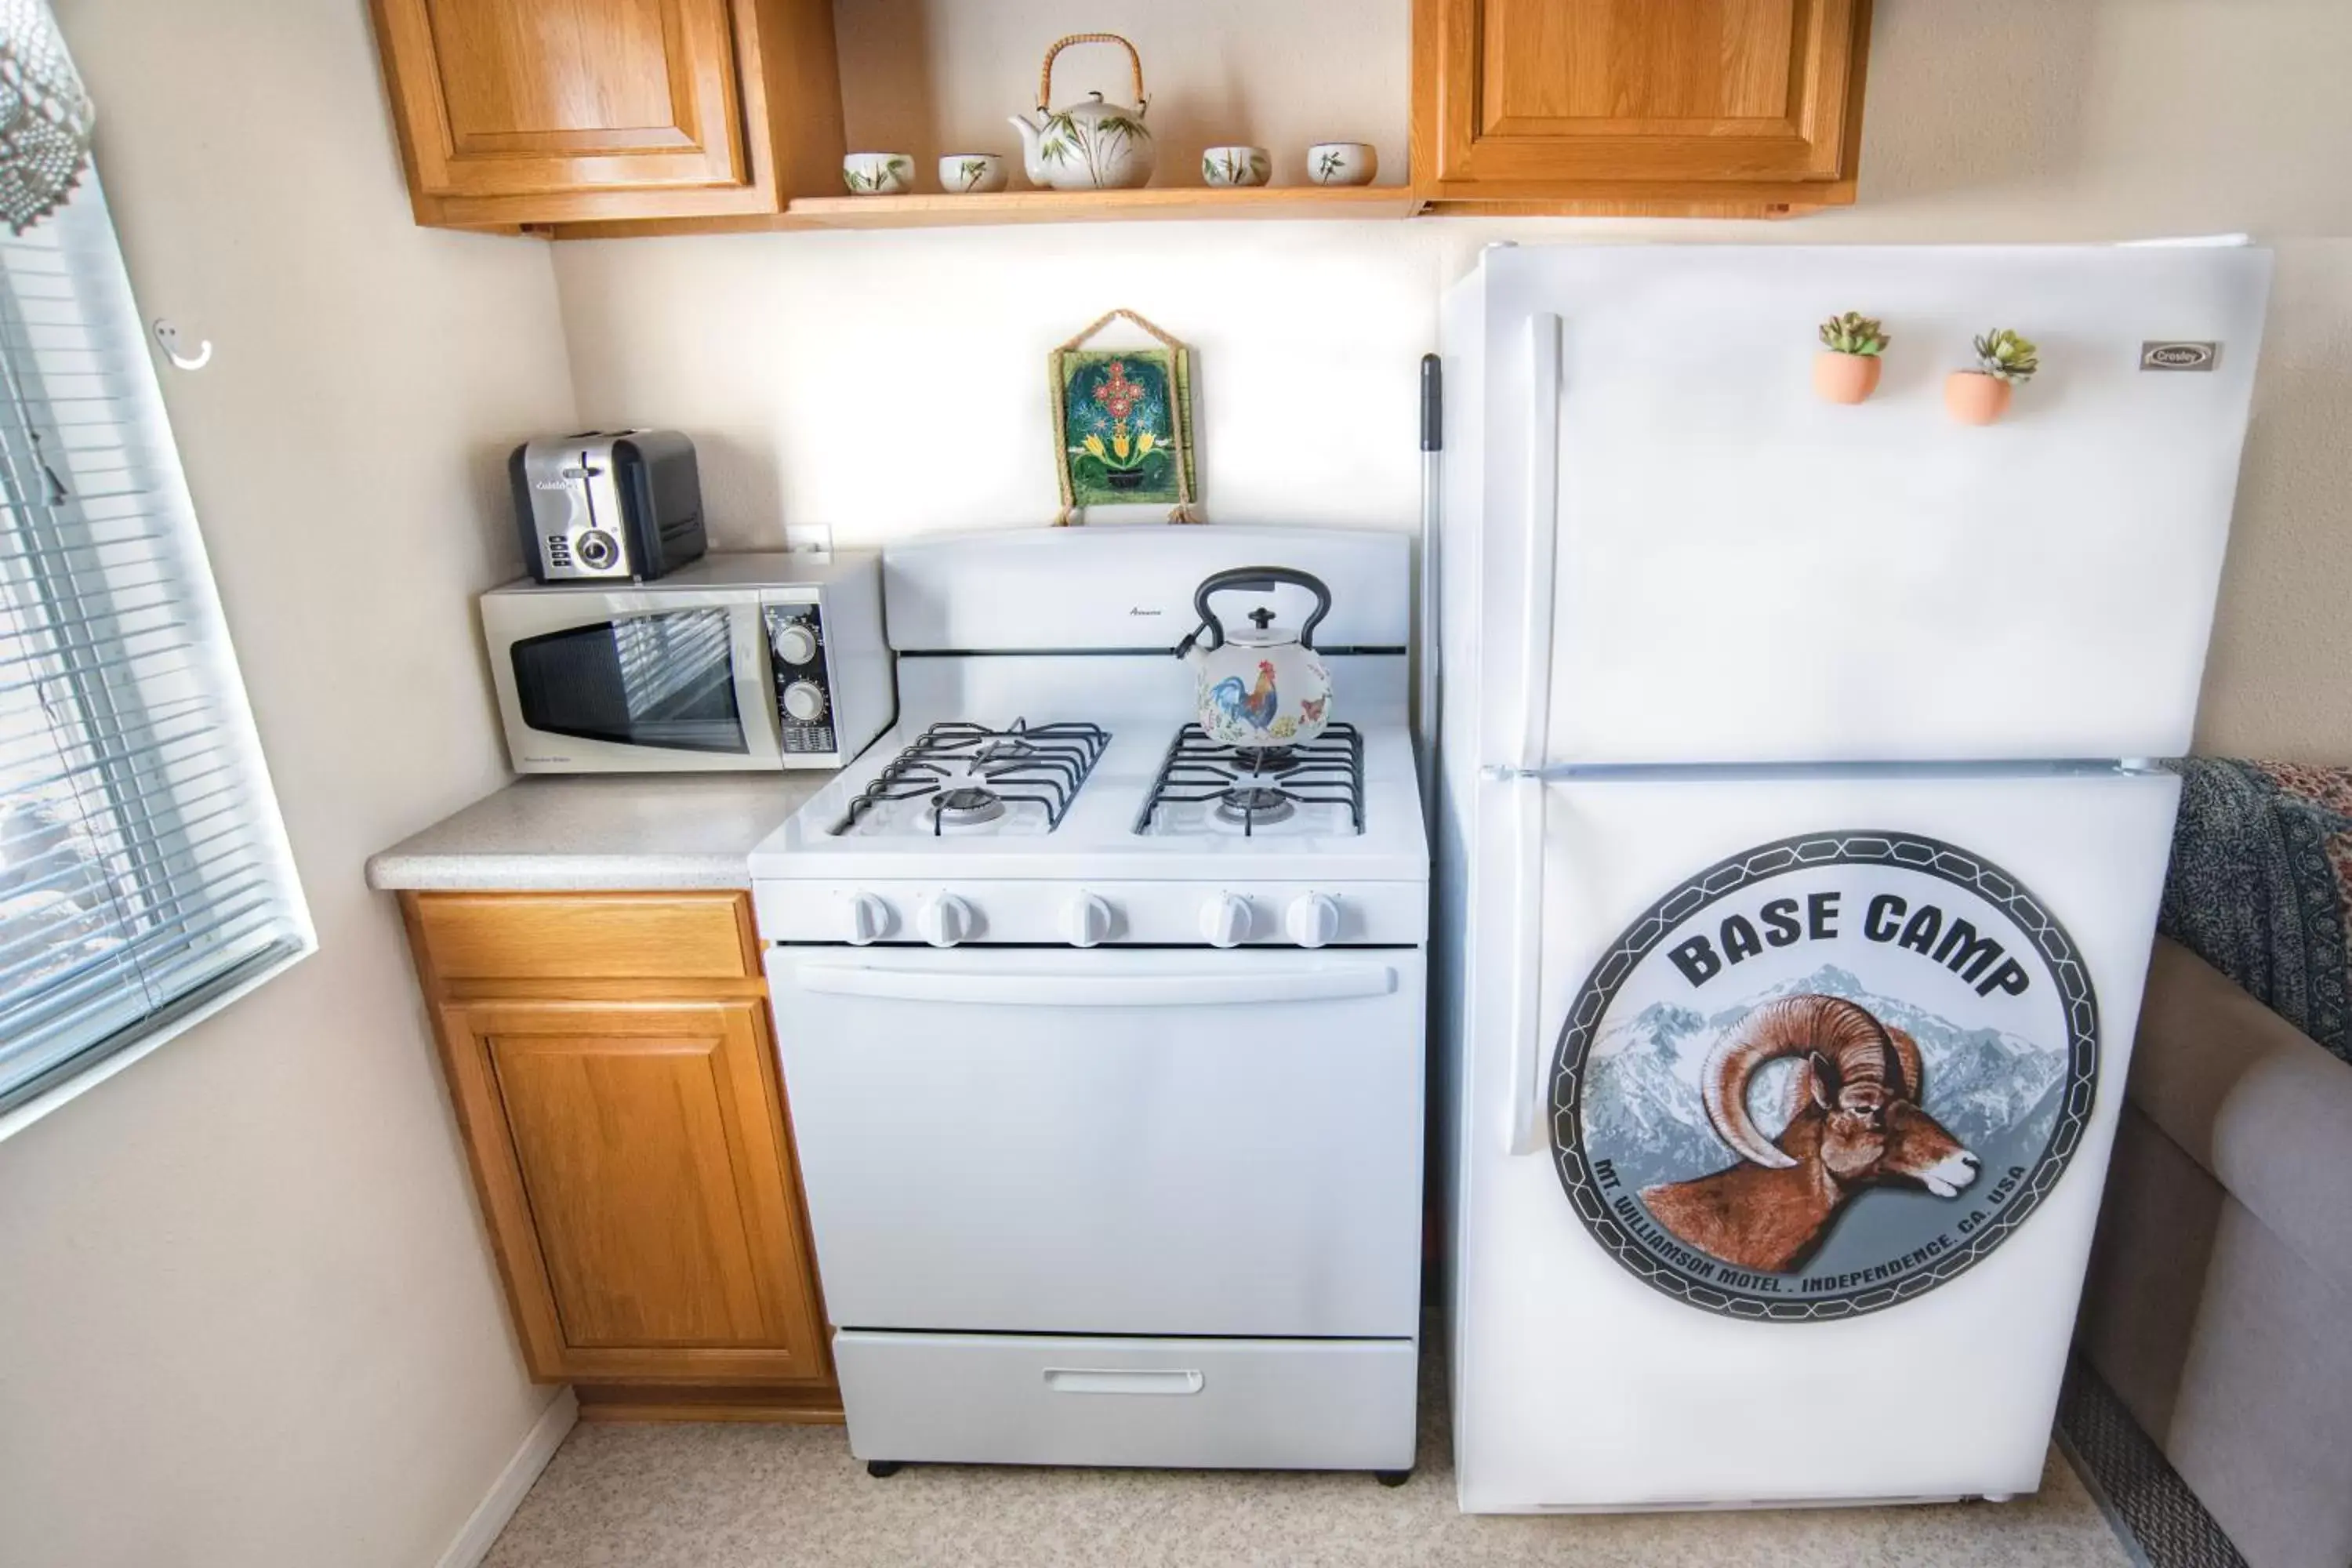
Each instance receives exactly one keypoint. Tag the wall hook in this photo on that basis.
(168, 337)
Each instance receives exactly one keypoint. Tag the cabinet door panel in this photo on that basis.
(507, 97)
(629, 1155)
(1585, 67)
(1533, 97)
(633, 1160)
(567, 74)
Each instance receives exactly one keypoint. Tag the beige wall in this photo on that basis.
(246, 1317)
(887, 382)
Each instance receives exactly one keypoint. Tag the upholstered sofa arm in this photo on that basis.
(2253, 1100)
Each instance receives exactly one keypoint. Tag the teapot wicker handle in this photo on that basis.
(1046, 75)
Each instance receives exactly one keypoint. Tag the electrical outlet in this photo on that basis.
(815, 536)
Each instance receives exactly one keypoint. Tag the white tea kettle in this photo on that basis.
(1261, 687)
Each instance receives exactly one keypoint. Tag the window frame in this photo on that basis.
(146, 815)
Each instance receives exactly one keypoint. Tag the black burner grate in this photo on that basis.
(1258, 788)
(972, 773)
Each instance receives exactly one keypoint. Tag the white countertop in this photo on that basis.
(607, 831)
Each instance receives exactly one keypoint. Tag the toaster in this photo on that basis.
(607, 505)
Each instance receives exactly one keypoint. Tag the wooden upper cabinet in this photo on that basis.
(638, 1177)
(551, 111)
(1738, 102)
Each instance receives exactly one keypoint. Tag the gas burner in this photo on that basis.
(972, 775)
(1255, 805)
(1248, 790)
(968, 807)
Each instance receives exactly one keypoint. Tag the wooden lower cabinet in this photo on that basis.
(631, 1147)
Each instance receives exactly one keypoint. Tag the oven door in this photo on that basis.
(632, 681)
(1163, 1142)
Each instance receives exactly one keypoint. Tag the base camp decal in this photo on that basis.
(1825, 1075)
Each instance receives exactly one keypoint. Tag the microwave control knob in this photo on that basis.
(795, 643)
(944, 921)
(804, 701)
(869, 919)
(1086, 920)
(1225, 920)
(1313, 919)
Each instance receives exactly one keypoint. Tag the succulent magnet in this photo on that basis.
(1980, 393)
(1847, 369)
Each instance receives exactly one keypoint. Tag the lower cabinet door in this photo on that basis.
(639, 1187)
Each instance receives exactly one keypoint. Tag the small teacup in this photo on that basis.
(877, 174)
(1342, 162)
(972, 173)
(1235, 165)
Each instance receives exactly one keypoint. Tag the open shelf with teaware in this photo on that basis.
(749, 115)
(1104, 207)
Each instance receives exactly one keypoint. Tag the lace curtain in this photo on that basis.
(45, 116)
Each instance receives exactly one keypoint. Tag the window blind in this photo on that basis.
(143, 868)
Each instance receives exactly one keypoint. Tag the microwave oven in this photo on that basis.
(731, 663)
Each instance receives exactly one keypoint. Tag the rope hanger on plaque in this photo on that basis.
(1123, 425)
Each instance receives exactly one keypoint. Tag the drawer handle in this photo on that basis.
(1121, 1379)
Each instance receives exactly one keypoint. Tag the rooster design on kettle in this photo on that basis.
(1261, 687)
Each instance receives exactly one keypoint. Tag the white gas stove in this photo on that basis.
(1104, 1043)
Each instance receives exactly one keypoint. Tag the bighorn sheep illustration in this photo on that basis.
(1854, 1121)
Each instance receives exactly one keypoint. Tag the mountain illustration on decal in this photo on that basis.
(1641, 1107)
(1639, 1099)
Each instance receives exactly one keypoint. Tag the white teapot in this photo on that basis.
(1090, 146)
(1264, 686)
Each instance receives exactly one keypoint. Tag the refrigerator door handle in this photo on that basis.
(1522, 1131)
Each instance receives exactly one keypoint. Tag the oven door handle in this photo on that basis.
(1204, 988)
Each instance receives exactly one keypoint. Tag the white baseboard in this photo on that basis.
(505, 1494)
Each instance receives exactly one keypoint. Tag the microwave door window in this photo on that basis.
(663, 681)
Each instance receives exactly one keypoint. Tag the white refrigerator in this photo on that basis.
(1799, 845)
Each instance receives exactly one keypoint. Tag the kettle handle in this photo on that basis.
(1134, 61)
(1262, 578)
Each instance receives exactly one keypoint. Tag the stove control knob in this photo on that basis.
(1312, 919)
(869, 919)
(804, 701)
(1225, 920)
(795, 643)
(1086, 920)
(944, 920)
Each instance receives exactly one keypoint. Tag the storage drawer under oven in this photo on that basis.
(1129, 1141)
(1020, 1399)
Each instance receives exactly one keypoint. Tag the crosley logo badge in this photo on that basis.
(2177, 355)
(1823, 1075)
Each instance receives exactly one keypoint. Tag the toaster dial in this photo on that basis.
(597, 550)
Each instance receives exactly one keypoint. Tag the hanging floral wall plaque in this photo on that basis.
(1123, 425)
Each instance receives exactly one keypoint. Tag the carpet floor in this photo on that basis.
(744, 1496)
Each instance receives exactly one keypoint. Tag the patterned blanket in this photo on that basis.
(2261, 886)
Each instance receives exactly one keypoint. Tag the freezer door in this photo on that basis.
(1828, 1075)
(1744, 572)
